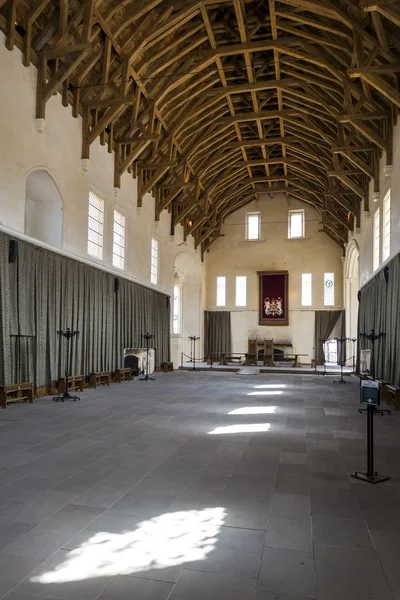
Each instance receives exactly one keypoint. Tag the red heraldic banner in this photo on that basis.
(273, 298)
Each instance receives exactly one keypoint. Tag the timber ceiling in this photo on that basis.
(208, 104)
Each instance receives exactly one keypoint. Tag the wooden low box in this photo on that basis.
(102, 378)
(19, 392)
(123, 375)
(167, 366)
(75, 382)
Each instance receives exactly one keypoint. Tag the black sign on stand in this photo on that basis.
(369, 396)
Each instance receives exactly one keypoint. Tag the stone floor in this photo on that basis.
(199, 486)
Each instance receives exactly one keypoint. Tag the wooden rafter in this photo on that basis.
(207, 103)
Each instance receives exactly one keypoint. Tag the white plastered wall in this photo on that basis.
(232, 255)
(58, 151)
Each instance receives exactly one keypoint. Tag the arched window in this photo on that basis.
(43, 209)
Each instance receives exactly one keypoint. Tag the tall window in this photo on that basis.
(119, 240)
(306, 289)
(154, 261)
(253, 226)
(221, 291)
(177, 310)
(386, 226)
(95, 225)
(377, 222)
(241, 291)
(296, 223)
(329, 289)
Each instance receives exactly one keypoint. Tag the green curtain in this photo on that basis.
(43, 292)
(217, 332)
(379, 310)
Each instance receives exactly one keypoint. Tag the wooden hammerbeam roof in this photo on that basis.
(210, 103)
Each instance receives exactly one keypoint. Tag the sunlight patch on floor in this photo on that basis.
(242, 428)
(165, 541)
(254, 410)
(266, 393)
(270, 386)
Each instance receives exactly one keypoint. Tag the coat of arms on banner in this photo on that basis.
(273, 297)
(273, 307)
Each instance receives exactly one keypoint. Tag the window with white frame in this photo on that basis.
(306, 289)
(154, 261)
(177, 310)
(252, 226)
(221, 291)
(376, 232)
(118, 258)
(296, 223)
(386, 226)
(95, 225)
(241, 290)
(329, 289)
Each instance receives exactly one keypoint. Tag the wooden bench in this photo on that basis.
(167, 366)
(225, 358)
(102, 378)
(75, 382)
(123, 375)
(16, 393)
(393, 395)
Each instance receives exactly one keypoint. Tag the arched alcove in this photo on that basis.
(352, 285)
(43, 208)
(187, 292)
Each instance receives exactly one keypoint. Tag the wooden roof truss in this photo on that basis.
(208, 104)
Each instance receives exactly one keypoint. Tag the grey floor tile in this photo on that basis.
(38, 543)
(71, 519)
(102, 496)
(65, 577)
(199, 502)
(14, 568)
(261, 594)
(246, 515)
(294, 458)
(345, 533)
(292, 484)
(25, 488)
(15, 595)
(287, 572)
(345, 574)
(387, 546)
(233, 551)
(210, 481)
(41, 506)
(142, 504)
(290, 505)
(199, 586)
(342, 504)
(289, 533)
(122, 587)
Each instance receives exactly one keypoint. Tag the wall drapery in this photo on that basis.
(325, 321)
(217, 332)
(380, 310)
(43, 292)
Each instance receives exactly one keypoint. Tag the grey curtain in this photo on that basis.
(325, 321)
(43, 292)
(217, 332)
(379, 310)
